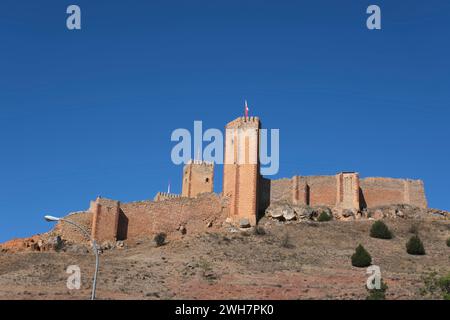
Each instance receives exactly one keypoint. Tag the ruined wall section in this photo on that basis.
(346, 191)
(145, 219)
(387, 191)
(70, 233)
(305, 190)
(300, 190)
(280, 190)
(415, 193)
(322, 190)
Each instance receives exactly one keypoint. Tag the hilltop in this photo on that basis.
(277, 260)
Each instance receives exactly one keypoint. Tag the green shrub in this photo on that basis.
(160, 239)
(361, 258)
(323, 216)
(379, 230)
(448, 242)
(415, 246)
(378, 294)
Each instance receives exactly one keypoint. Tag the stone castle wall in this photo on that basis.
(144, 219)
(246, 194)
(311, 190)
(346, 191)
(387, 191)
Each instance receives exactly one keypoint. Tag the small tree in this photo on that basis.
(324, 216)
(448, 242)
(415, 246)
(361, 258)
(160, 239)
(379, 230)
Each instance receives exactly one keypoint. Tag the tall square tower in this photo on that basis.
(241, 168)
(198, 177)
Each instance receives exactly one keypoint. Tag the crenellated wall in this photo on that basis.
(161, 196)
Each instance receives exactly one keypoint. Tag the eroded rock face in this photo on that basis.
(289, 215)
(401, 211)
(304, 212)
(46, 242)
(56, 243)
(284, 211)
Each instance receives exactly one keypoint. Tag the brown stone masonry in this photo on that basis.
(113, 220)
(198, 177)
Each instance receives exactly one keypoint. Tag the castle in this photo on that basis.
(245, 195)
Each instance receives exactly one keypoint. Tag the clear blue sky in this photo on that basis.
(90, 112)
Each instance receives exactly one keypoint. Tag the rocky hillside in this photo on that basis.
(284, 258)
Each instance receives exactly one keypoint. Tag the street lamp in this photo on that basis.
(94, 245)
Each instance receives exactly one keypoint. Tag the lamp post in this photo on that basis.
(94, 245)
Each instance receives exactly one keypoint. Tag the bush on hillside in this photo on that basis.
(380, 230)
(361, 258)
(415, 246)
(324, 217)
(160, 239)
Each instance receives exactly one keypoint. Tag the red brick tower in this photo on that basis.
(241, 168)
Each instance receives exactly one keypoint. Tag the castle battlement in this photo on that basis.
(201, 162)
(244, 122)
(161, 196)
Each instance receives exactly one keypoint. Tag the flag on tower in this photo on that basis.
(246, 109)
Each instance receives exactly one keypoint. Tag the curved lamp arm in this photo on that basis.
(94, 245)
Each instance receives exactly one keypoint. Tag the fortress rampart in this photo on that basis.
(144, 219)
(342, 192)
(246, 194)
